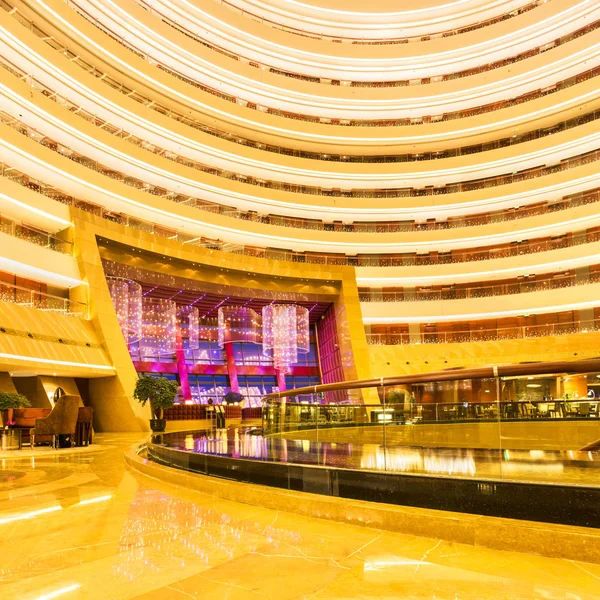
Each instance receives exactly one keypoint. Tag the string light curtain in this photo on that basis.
(285, 333)
(159, 328)
(238, 324)
(209, 329)
(126, 297)
(189, 325)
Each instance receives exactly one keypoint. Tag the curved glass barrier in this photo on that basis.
(521, 441)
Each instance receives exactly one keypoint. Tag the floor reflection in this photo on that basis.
(83, 528)
(567, 467)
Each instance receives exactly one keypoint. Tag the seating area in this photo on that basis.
(65, 425)
(193, 412)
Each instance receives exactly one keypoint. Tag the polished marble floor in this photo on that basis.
(79, 526)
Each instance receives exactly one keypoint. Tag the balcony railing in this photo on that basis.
(40, 300)
(482, 291)
(34, 235)
(577, 238)
(314, 224)
(41, 138)
(101, 74)
(481, 335)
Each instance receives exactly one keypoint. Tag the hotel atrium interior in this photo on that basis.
(300, 299)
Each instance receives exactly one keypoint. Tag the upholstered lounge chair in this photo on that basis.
(24, 419)
(61, 421)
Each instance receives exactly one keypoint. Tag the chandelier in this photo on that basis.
(285, 333)
(237, 324)
(189, 325)
(159, 327)
(126, 297)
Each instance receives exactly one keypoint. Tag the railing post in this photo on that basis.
(384, 423)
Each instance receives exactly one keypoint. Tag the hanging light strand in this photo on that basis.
(238, 324)
(126, 297)
(285, 329)
(159, 328)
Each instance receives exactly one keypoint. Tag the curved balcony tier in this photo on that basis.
(379, 22)
(272, 124)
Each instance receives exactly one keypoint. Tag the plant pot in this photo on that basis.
(6, 416)
(158, 425)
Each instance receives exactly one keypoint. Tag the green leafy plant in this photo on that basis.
(233, 397)
(159, 391)
(9, 400)
(395, 397)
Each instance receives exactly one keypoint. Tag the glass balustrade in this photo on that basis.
(39, 300)
(536, 422)
(34, 235)
(101, 74)
(482, 335)
(575, 239)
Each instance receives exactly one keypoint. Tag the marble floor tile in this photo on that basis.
(80, 527)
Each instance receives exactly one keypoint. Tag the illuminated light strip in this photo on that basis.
(458, 171)
(369, 140)
(172, 50)
(481, 316)
(553, 266)
(238, 33)
(557, 67)
(30, 515)
(371, 14)
(249, 122)
(399, 179)
(95, 500)
(37, 211)
(60, 363)
(227, 193)
(59, 592)
(409, 245)
(19, 268)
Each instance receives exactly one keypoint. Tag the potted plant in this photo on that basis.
(8, 401)
(160, 392)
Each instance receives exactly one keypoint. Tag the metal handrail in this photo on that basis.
(580, 366)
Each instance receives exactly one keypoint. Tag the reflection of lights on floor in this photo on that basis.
(378, 565)
(30, 515)
(449, 466)
(533, 468)
(50, 509)
(94, 500)
(59, 592)
(537, 454)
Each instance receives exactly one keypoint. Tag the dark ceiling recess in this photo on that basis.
(208, 303)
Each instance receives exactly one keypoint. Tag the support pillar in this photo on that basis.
(186, 392)
(231, 367)
(281, 380)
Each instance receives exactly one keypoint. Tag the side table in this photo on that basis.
(11, 439)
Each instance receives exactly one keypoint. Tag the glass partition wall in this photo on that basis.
(523, 422)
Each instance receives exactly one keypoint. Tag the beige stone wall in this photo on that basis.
(6, 384)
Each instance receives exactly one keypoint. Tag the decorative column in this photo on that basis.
(186, 392)
(231, 367)
(281, 380)
(188, 317)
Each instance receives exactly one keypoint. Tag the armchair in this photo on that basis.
(61, 421)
